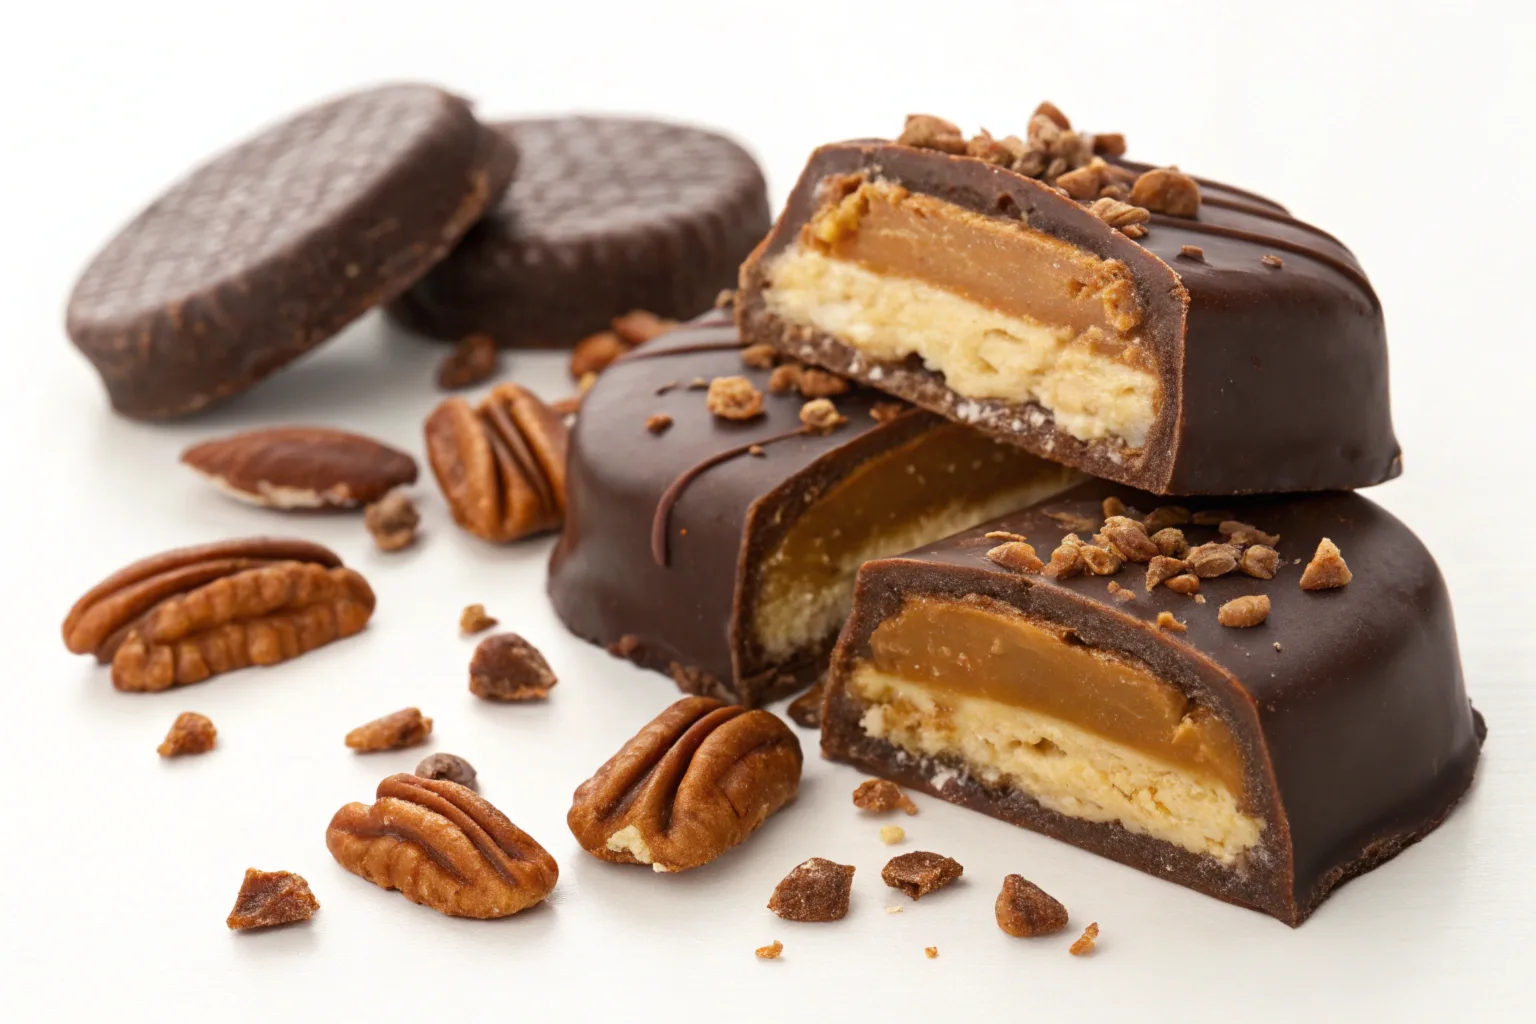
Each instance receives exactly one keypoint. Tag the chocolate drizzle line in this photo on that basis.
(1299, 249)
(661, 522)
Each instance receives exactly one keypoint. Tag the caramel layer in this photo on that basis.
(988, 651)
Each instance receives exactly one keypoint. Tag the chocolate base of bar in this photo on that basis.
(783, 680)
(949, 780)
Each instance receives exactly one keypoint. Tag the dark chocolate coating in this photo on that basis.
(1272, 379)
(1356, 734)
(273, 247)
(688, 617)
(607, 215)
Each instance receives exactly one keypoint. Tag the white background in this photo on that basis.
(1405, 132)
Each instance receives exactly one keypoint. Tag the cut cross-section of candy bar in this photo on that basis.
(1263, 763)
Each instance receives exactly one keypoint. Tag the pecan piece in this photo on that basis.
(816, 890)
(301, 467)
(1025, 910)
(444, 847)
(506, 667)
(1128, 539)
(1167, 190)
(404, 728)
(267, 898)
(191, 733)
(472, 361)
(1326, 570)
(188, 614)
(919, 873)
(392, 521)
(696, 781)
(501, 466)
(881, 795)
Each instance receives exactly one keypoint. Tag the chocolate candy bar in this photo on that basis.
(1261, 760)
(723, 550)
(1224, 348)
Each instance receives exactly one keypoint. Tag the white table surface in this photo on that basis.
(1405, 134)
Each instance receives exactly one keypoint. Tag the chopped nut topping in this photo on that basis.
(924, 131)
(759, 357)
(404, 728)
(734, 398)
(1163, 568)
(639, 326)
(392, 521)
(472, 361)
(994, 151)
(1243, 534)
(1165, 516)
(191, 733)
(890, 835)
(1016, 555)
(920, 873)
(880, 795)
(1066, 560)
(1117, 214)
(770, 951)
(449, 767)
(814, 383)
(1025, 910)
(271, 897)
(1113, 506)
(1076, 523)
(1186, 584)
(1052, 111)
(820, 415)
(1192, 252)
(1211, 560)
(884, 412)
(1260, 561)
(1165, 620)
(785, 378)
(1084, 183)
(805, 710)
(1109, 144)
(1210, 517)
(1171, 542)
(816, 890)
(1167, 190)
(508, 668)
(1084, 944)
(931, 952)
(1120, 593)
(1004, 535)
(1242, 612)
(1100, 561)
(1129, 539)
(473, 619)
(1327, 568)
(658, 422)
(595, 353)
(1272, 261)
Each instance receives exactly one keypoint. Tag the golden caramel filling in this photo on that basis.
(944, 481)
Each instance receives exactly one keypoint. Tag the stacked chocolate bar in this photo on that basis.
(1212, 662)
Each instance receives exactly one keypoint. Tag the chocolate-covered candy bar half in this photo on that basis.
(723, 551)
(1262, 762)
(1230, 349)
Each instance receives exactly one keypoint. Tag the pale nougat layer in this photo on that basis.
(1067, 769)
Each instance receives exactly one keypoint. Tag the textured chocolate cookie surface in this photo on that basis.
(607, 215)
(273, 247)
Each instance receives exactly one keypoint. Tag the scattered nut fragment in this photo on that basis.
(805, 710)
(472, 361)
(881, 795)
(1244, 534)
(444, 847)
(1004, 535)
(450, 767)
(1120, 593)
(1171, 542)
(191, 733)
(770, 951)
(1186, 584)
(759, 356)
(1167, 190)
(639, 326)
(1109, 143)
(755, 450)
(816, 890)
(1199, 598)
(726, 298)
(1112, 506)
(505, 667)
(1099, 561)
(919, 873)
(1018, 555)
(1066, 559)
(1128, 539)
(696, 781)
(658, 422)
(1085, 182)
(392, 521)
(983, 146)
(269, 898)
(301, 467)
(734, 398)
(474, 619)
(404, 728)
(1025, 910)
(1165, 516)
(1052, 111)
(1260, 560)
(1192, 252)
(1162, 568)
(931, 952)
(924, 131)
(1327, 568)
(785, 378)
(595, 353)
(1084, 944)
(820, 415)
(884, 412)
(1165, 620)
(890, 835)
(816, 383)
(1076, 523)
(1129, 219)
(1211, 560)
(1245, 611)
(1272, 261)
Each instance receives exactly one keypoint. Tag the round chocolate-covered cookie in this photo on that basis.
(606, 215)
(276, 245)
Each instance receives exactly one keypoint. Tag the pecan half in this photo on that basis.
(444, 847)
(302, 467)
(188, 614)
(501, 466)
(696, 781)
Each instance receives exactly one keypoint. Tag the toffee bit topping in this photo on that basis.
(785, 378)
(1192, 252)
(884, 412)
(1211, 560)
(1165, 620)
(1167, 190)
(820, 415)
(814, 383)
(1113, 506)
(1327, 569)
(1171, 542)
(1165, 516)
(881, 795)
(770, 951)
(1186, 584)
(1120, 593)
(1272, 261)
(1162, 568)
(734, 398)
(1210, 517)
(1076, 523)
(1243, 612)
(1016, 555)
(1260, 561)
(759, 357)
(1085, 942)
(658, 422)
(1243, 534)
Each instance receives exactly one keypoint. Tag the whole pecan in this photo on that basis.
(302, 467)
(188, 614)
(501, 465)
(696, 781)
(442, 846)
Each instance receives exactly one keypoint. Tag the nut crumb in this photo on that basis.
(881, 795)
(506, 667)
(1128, 539)
(1185, 584)
(269, 898)
(1327, 568)
(595, 353)
(1272, 261)
(1099, 561)
(1260, 561)
(658, 422)
(1199, 598)
(1167, 190)
(448, 767)
(1066, 559)
(1025, 910)
(1085, 943)
(816, 890)
(785, 378)
(756, 451)
(884, 412)
(1192, 252)
(1211, 560)
(759, 356)
(894, 909)
(820, 415)
(404, 728)
(1171, 542)
(1243, 612)
(814, 383)
(1119, 215)
(639, 326)
(191, 733)
(727, 297)
(890, 835)
(1120, 593)
(931, 952)
(1162, 568)
(392, 520)
(1277, 645)
(474, 619)
(770, 951)
(1109, 143)
(1016, 555)
(734, 398)
(919, 873)
(1112, 506)
(472, 361)
(925, 131)
(1165, 620)
(1244, 534)
(1164, 517)
(1052, 111)
(1004, 535)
